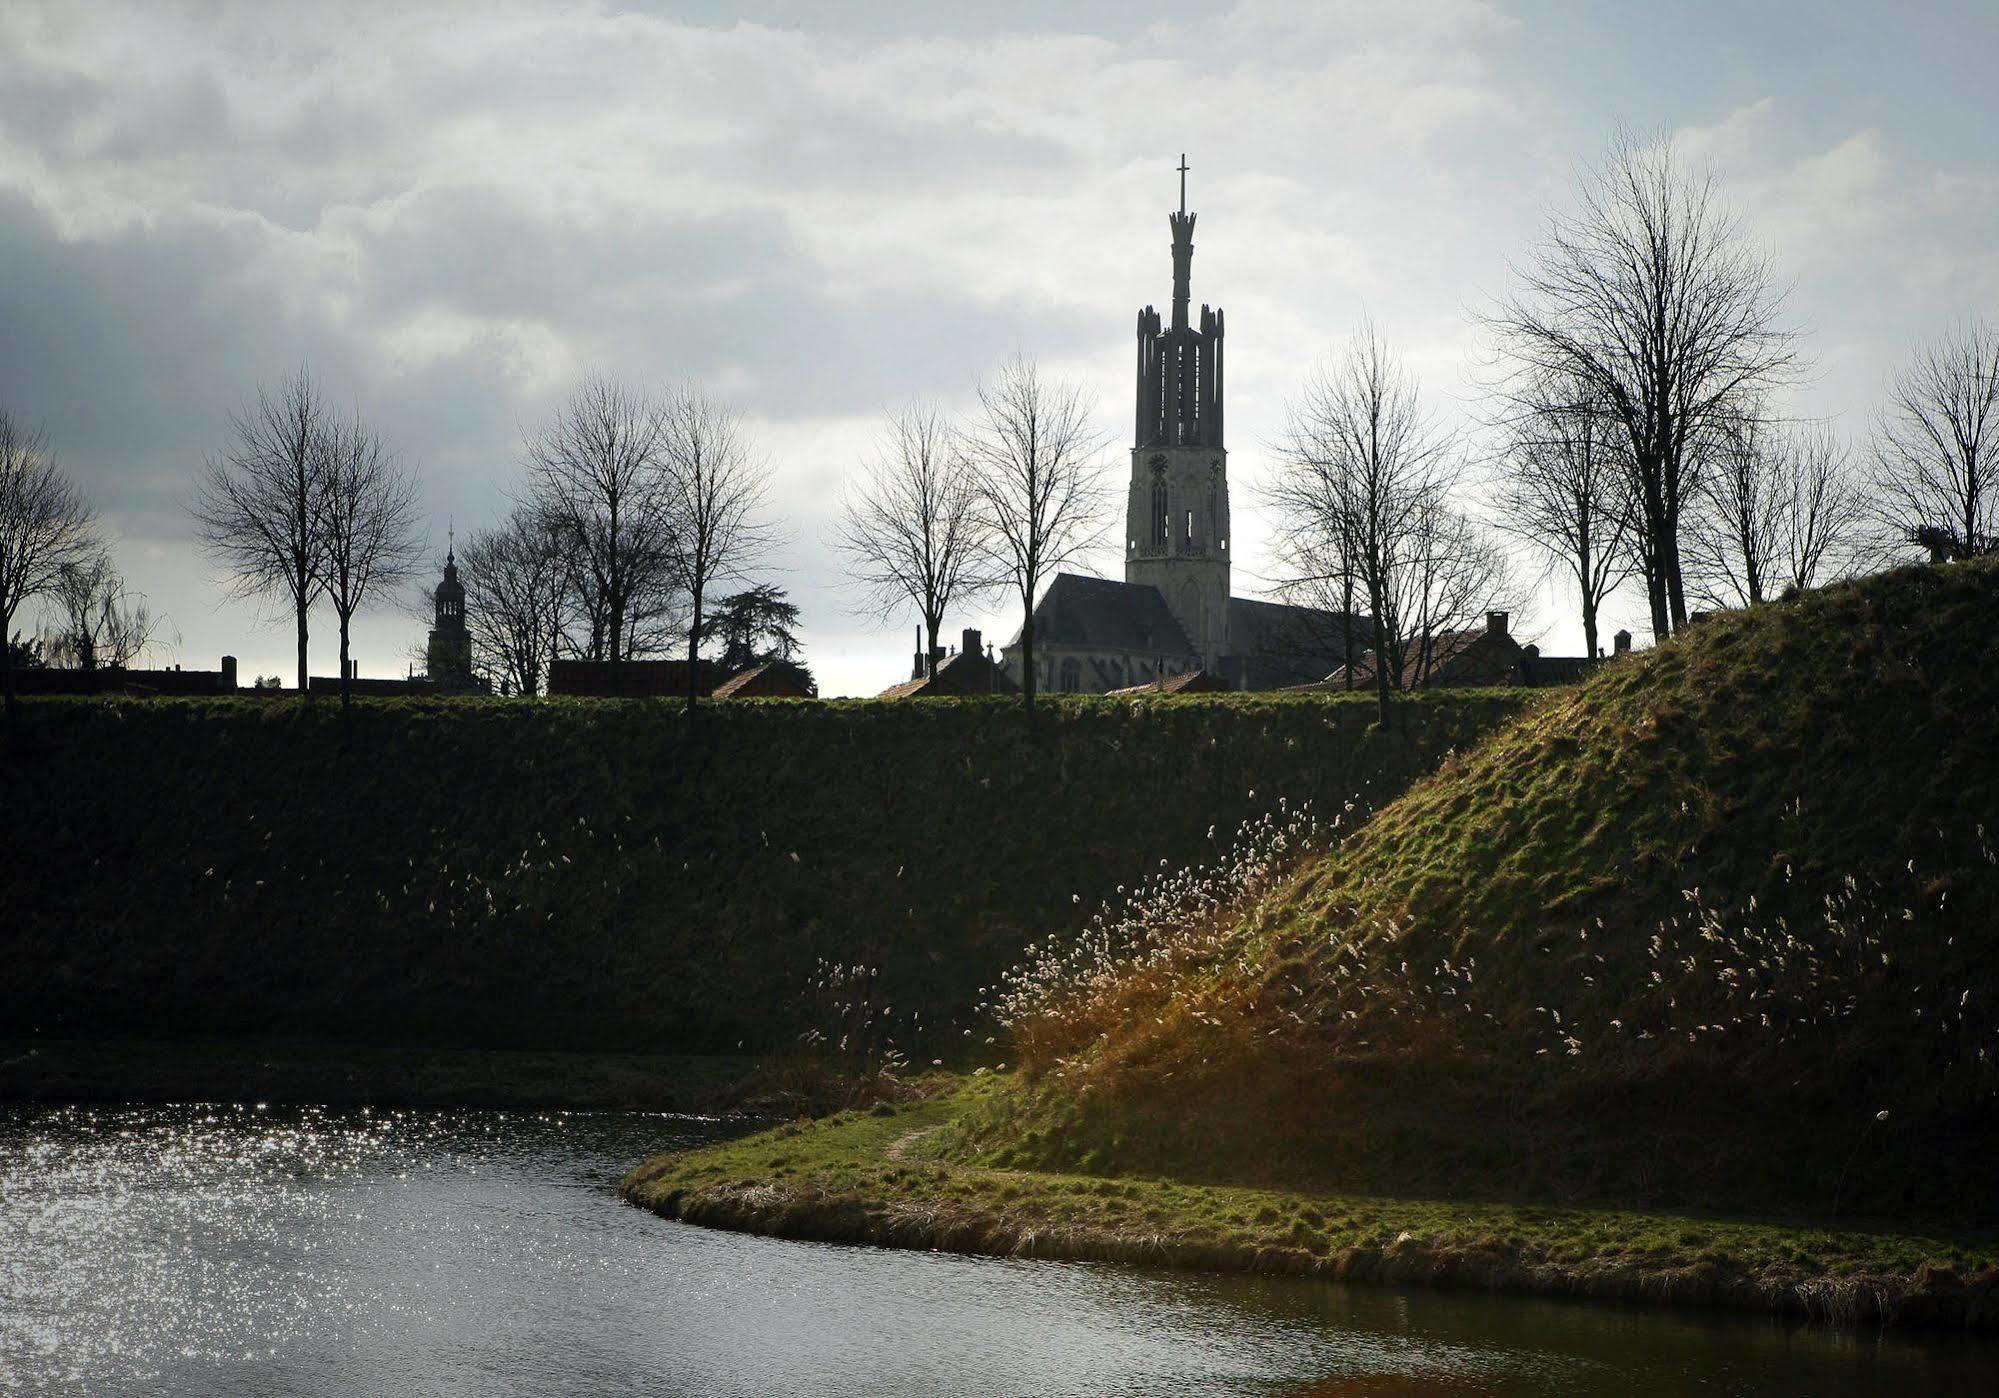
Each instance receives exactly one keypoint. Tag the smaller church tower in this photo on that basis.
(448, 654)
(1177, 514)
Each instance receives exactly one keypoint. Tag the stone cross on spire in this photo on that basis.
(1183, 182)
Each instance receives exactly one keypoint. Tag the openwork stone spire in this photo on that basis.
(1179, 366)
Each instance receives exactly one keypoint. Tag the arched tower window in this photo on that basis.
(1159, 501)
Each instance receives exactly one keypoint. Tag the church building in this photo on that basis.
(448, 649)
(1172, 614)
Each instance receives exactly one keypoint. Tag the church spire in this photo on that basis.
(1183, 251)
(1180, 362)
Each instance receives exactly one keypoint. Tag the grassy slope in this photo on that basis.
(1469, 996)
(877, 1177)
(593, 875)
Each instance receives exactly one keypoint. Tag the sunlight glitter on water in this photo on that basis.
(197, 1250)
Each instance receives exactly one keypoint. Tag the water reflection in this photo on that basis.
(206, 1250)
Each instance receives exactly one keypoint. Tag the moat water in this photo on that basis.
(195, 1250)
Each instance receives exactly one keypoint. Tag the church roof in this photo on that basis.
(1286, 645)
(1101, 614)
(1187, 682)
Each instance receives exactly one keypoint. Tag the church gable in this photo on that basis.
(1103, 614)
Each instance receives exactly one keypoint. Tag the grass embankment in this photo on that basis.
(1718, 929)
(880, 1177)
(604, 875)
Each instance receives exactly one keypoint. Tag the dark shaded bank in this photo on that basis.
(877, 1177)
(599, 874)
(351, 1076)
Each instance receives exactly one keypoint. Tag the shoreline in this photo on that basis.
(356, 1075)
(868, 1178)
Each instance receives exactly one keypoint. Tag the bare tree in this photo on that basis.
(1735, 528)
(99, 624)
(260, 505)
(718, 488)
(600, 473)
(1650, 297)
(1937, 445)
(1562, 482)
(1450, 573)
(911, 529)
(1033, 453)
(370, 514)
(1775, 512)
(517, 595)
(1314, 546)
(45, 528)
(1365, 473)
(1824, 517)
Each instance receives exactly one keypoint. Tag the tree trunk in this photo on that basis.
(934, 623)
(1346, 628)
(1676, 597)
(304, 679)
(1589, 625)
(1027, 656)
(7, 667)
(694, 655)
(346, 698)
(1380, 682)
(1655, 586)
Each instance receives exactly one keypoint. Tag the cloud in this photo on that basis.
(449, 211)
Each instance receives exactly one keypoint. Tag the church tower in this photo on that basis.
(1177, 515)
(448, 653)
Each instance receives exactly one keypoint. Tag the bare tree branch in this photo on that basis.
(99, 624)
(717, 488)
(372, 519)
(46, 526)
(1650, 297)
(1361, 497)
(260, 505)
(1563, 490)
(599, 472)
(1936, 447)
(911, 529)
(1034, 455)
(517, 596)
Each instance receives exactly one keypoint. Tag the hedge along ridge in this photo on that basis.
(599, 874)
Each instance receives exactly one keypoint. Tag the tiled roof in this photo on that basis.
(774, 679)
(965, 673)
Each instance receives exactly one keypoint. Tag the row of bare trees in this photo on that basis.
(305, 503)
(635, 508)
(1638, 356)
(947, 513)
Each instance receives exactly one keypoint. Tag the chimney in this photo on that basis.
(228, 673)
(1622, 640)
(1495, 623)
(969, 643)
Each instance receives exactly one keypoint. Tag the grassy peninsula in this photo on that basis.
(884, 1177)
(1709, 938)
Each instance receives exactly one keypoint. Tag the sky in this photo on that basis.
(822, 211)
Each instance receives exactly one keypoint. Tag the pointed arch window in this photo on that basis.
(1160, 504)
